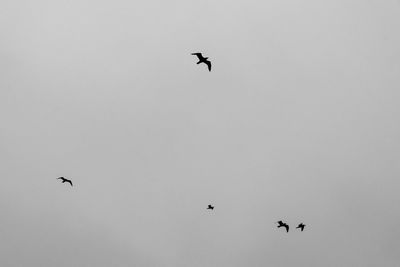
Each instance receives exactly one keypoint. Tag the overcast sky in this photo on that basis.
(297, 121)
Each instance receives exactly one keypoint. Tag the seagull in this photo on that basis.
(282, 224)
(203, 60)
(65, 180)
(301, 226)
(210, 207)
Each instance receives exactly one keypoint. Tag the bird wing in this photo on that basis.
(208, 64)
(69, 181)
(199, 55)
(287, 228)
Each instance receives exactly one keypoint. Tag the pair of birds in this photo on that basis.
(65, 180)
(208, 63)
(201, 60)
(282, 224)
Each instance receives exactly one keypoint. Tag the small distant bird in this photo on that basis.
(203, 60)
(301, 226)
(210, 207)
(282, 224)
(65, 180)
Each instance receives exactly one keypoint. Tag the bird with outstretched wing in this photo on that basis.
(64, 180)
(203, 60)
(282, 224)
(301, 226)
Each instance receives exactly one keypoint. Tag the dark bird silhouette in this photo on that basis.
(301, 226)
(203, 60)
(282, 224)
(64, 180)
(210, 207)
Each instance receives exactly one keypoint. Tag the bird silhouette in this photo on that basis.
(210, 207)
(282, 224)
(64, 180)
(203, 60)
(301, 226)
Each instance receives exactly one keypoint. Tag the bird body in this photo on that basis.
(282, 224)
(301, 226)
(203, 60)
(64, 180)
(210, 207)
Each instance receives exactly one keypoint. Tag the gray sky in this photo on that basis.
(298, 120)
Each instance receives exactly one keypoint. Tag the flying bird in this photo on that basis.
(282, 224)
(64, 180)
(210, 207)
(301, 226)
(203, 60)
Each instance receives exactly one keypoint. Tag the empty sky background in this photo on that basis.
(298, 120)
